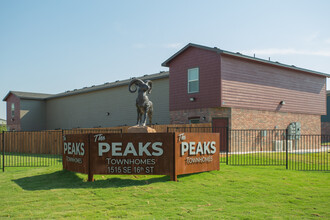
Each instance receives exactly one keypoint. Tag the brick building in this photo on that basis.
(242, 92)
(204, 85)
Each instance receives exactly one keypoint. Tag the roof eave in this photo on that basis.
(215, 49)
(6, 97)
(24, 97)
(274, 63)
(166, 62)
(111, 85)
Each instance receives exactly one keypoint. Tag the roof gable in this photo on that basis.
(27, 95)
(217, 50)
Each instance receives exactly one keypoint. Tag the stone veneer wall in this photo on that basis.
(255, 119)
(183, 116)
(250, 119)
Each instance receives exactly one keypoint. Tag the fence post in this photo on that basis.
(286, 148)
(3, 151)
(227, 147)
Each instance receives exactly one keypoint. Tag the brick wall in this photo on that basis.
(325, 127)
(250, 119)
(205, 115)
(255, 119)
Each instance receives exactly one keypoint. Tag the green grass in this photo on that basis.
(258, 158)
(296, 161)
(234, 192)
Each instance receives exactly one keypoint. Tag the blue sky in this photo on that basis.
(54, 46)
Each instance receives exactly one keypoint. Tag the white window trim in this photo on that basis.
(12, 110)
(192, 80)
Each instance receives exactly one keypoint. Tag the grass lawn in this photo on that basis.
(296, 161)
(241, 192)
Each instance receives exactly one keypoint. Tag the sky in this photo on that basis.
(58, 45)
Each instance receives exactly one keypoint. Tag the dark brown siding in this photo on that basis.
(208, 63)
(248, 84)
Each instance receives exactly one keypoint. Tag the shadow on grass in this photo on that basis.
(69, 180)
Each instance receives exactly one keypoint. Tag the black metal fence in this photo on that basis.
(257, 147)
(36, 148)
(308, 152)
(237, 147)
(270, 148)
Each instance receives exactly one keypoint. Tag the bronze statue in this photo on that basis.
(143, 104)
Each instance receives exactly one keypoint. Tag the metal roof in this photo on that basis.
(220, 51)
(40, 96)
(117, 83)
(28, 95)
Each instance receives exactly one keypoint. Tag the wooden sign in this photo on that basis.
(76, 153)
(141, 154)
(196, 152)
(132, 153)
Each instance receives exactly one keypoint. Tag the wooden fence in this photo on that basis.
(50, 141)
(164, 128)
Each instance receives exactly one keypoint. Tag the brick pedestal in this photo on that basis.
(140, 129)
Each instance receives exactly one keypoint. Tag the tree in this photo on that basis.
(3, 128)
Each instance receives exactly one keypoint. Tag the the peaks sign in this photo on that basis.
(197, 152)
(76, 153)
(155, 153)
(131, 153)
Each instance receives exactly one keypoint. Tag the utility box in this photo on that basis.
(294, 131)
(280, 145)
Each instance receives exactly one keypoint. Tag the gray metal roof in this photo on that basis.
(40, 96)
(220, 51)
(28, 95)
(117, 83)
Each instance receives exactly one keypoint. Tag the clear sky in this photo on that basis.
(54, 46)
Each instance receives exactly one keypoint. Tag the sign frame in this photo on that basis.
(169, 154)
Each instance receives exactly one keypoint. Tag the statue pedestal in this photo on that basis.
(140, 129)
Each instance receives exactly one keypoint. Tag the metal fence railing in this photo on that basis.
(308, 152)
(237, 147)
(270, 148)
(257, 147)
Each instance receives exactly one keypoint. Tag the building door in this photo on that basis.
(220, 125)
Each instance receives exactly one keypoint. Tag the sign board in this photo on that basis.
(196, 152)
(146, 154)
(132, 153)
(76, 153)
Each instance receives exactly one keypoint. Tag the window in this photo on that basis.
(12, 110)
(193, 80)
